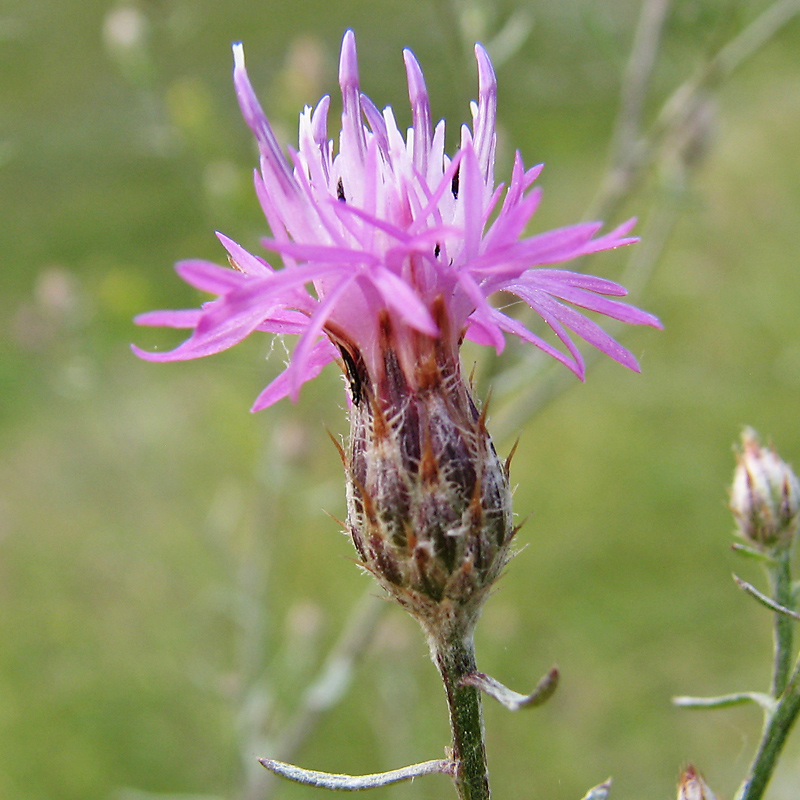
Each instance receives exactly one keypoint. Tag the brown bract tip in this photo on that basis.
(339, 449)
(507, 464)
(380, 425)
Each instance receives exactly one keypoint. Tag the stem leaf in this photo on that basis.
(764, 600)
(355, 783)
(727, 700)
(752, 552)
(512, 700)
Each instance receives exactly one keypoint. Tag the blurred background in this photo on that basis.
(170, 585)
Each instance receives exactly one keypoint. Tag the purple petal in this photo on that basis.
(560, 244)
(208, 277)
(403, 299)
(564, 277)
(352, 129)
(269, 206)
(237, 314)
(284, 321)
(301, 355)
(244, 261)
(487, 113)
(184, 318)
(377, 124)
(322, 353)
(345, 209)
(319, 122)
(610, 308)
(258, 123)
(511, 221)
(616, 238)
(482, 310)
(485, 332)
(471, 194)
(444, 185)
(341, 256)
(512, 325)
(420, 111)
(588, 330)
(532, 174)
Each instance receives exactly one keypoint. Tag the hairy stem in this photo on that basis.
(780, 579)
(776, 730)
(455, 659)
(785, 686)
(636, 78)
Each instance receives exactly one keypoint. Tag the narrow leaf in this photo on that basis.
(355, 783)
(751, 552)
(512, 700)
(726, 701)
(764, 600)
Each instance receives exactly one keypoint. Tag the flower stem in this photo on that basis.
(780, 579)
(455, 659)
(776, 730)
(785, 685)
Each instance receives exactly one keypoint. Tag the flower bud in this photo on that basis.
(765, 497)
(692, 786)
(429, 505)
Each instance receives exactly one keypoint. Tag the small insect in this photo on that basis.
(351, 370)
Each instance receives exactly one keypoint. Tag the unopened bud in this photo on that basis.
(429, 505)
(765, 497)
(692, 786)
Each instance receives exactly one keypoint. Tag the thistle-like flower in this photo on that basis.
(765, 496)
(391, 251)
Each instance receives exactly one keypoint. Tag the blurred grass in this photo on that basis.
(167, 576)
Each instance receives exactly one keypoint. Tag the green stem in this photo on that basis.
(785, 685)
(780, 579)
(455, 659)
(776, 730)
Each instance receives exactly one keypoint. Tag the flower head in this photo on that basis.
(765, 497)
(389, 238)
(692, 786)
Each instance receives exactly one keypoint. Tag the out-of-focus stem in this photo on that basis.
(455, 659)
(636, 77)
(780, 579)
(624, 176)
(760, 31)
(325, 690)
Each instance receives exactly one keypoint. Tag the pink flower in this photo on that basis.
(391, 231)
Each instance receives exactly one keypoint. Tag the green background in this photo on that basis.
(169, 581)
